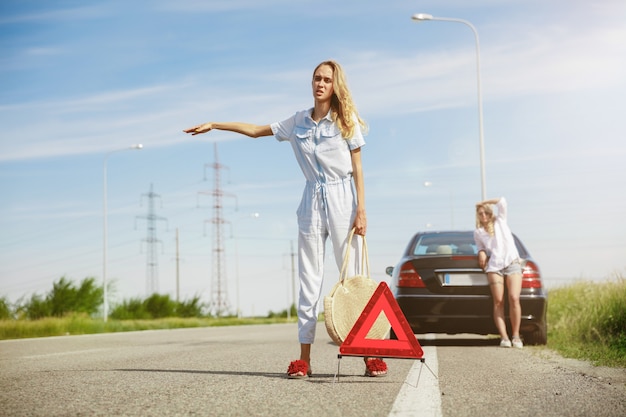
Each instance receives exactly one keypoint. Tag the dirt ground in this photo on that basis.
(612, 375)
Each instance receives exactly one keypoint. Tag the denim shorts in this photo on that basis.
(513, 268)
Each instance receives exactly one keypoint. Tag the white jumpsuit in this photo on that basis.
(327, 208)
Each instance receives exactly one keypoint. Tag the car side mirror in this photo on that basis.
(389, 270)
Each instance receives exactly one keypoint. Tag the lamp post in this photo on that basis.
(420, 17)
(254, 215)
(104, 226)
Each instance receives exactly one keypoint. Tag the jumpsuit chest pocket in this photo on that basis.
(305, 139)
(330, 139)
(325, 139)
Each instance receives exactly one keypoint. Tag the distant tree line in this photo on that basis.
(283, 314)
(157, 306)
(87, 298)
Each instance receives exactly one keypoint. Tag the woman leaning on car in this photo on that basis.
(493, 236)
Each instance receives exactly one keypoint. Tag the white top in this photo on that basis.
(500, 247)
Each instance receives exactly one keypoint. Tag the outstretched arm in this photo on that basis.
(254, 131)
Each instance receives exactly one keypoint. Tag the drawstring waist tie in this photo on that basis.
(321, 188)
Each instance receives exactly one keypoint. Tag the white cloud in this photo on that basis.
(542, 61)
(56, 14)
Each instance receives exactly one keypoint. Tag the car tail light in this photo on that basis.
(408, 277)
(531, 277)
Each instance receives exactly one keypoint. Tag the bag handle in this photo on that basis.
(365, 261)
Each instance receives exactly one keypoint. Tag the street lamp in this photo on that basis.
(420, 17)
(104, 225)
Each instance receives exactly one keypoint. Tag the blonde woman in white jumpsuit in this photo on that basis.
(327, 141)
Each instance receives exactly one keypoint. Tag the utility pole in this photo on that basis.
(177, 269)
(293, 281)
(292, 297)
(219, 303)
(152, 272)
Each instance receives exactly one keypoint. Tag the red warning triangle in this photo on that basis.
(357, 344)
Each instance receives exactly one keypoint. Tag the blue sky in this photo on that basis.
(80, 79)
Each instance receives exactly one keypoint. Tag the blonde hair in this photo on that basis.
(343, 110)
(488, 208)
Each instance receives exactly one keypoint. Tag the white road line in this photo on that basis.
(66, 353)
(420, 398)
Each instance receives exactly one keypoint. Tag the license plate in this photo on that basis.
(464, 280)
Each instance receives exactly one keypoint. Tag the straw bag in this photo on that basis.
(348, 297)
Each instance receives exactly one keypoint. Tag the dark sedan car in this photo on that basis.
(441, 289)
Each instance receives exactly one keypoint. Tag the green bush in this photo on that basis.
(160, 306)
(34, 309)
(156, 306)
(65, 298)
(5, 309)
(283, 314)
(131, 309)
(191, 308)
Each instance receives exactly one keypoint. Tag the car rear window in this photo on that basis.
(445, 244)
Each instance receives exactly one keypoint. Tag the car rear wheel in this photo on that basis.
(538, 336)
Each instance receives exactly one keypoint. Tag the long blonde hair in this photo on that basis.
(488, 208)
(343, 110)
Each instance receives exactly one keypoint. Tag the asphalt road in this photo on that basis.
(240, 371)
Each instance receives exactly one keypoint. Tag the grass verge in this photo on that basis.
(82, 324)
(587, 320)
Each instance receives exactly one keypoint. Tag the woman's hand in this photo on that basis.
(482, 259)
(196, 130)
(360, 223)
